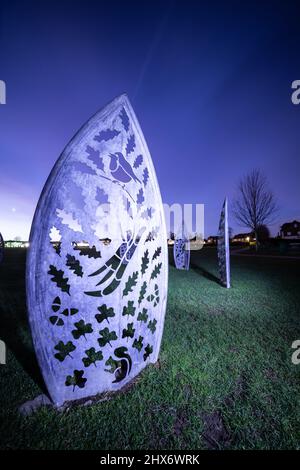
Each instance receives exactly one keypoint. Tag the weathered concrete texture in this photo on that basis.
(97, 267)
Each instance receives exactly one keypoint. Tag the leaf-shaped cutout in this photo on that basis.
(142, 292)
(130, 144)
(55, 320)
(113, 364)
(74, 265)
(76, 380)
(145, 262)
(107, 134)
(56, 304)
(140, 197)
(152, 325)
(90, 252)
(156, 253)
(156, 270)
(64, 350)
(129, 331)
(107, 337)
(59, 279)
(148, 351)
(138, 343)
(143, 316)
(130, 283)
(92, 356)
(94, 156)
(138, 161)
(105, 313)
(145, 176)
(129, 309)
(82, 329)
(124, 119)
(69, 312)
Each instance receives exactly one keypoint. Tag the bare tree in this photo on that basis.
(255, 204)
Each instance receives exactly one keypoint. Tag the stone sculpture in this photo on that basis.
(97, 268)
(181, 249)
(223, 247)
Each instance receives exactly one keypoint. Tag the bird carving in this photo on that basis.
(121, 169)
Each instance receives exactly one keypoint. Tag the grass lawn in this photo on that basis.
(224, 380)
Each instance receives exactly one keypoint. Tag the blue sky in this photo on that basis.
(209, 81)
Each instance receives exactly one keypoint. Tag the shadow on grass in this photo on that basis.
(14, 327)
(204, 272)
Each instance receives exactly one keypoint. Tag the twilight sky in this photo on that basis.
(209, 81)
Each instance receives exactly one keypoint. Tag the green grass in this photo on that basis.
(225, 379)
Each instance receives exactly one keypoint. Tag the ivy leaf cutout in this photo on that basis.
(82, 329)
(105, 314)
(138, 161)
(156, 253)
(92, 357)
(129, 309)
(148, 351)
(77, 380)
(130, 283)
(74, 265)
(129, 331)
(152, 325)
(59, 279)
(142, 292)
(138, 344)
(156, 270)
(107, 337)
(145, 262)
(64, 350)
(142, 316)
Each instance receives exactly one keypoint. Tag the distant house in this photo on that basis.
(243, 238)
(211, 240)
(290, 230)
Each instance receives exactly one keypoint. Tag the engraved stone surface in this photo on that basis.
(97, 267)
(223, 247)
(181, 250)
(1, 248)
